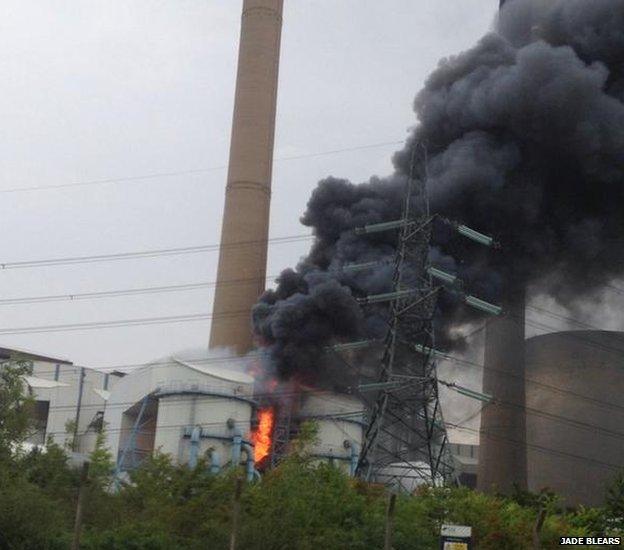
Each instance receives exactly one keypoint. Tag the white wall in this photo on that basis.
(177, 411)
(63, 400)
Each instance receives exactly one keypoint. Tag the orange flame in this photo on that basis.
(262, 436)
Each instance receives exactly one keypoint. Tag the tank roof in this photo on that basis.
(229, 375)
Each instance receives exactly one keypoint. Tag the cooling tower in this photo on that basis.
(242, 260)
(575, 416)
(502, 438)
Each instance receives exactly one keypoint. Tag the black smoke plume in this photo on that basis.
(525, 140)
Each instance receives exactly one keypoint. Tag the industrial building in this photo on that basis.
(553, 422)
(466, 462)
(188, 411)
(196, 410)
(69, 400)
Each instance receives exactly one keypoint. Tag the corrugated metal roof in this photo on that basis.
(230, 375)
(14, 353)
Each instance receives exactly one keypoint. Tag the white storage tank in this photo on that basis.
(186, 410)
(219, 404)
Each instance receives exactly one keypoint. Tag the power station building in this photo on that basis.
(188, 411)
(69, 400)
(198, 410)
(554, 422)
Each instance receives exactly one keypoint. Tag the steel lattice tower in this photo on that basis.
(405, 442)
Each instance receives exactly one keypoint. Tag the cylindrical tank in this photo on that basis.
(575, 416)
(340, 421)
(243, 253)
(219, 403)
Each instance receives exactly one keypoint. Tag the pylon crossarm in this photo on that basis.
(383, 226)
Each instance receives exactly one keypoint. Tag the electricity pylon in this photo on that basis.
(406, 443)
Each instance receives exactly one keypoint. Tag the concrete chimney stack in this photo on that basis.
(243, 255)
(502, 438)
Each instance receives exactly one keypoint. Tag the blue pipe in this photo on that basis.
(195, 435)
(251, 463)
(355, 458)
(237, 441)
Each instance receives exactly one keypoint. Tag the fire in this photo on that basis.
(262, 436)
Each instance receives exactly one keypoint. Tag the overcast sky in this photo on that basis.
(128, 89)
(117, 89)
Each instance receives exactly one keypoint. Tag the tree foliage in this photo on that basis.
(303, 504)
(15, 406)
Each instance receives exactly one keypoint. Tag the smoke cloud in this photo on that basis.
(525, 141)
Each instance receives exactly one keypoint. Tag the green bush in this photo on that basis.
(301, 505)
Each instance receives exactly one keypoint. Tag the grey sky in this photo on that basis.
(95, 90)
(98, 90)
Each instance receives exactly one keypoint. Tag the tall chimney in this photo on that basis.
(244, 235)
(502, 438)
(502, 444)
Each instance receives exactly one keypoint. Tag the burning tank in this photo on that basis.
(285, 406)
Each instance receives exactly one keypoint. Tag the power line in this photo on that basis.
(201, 317)
(574, 335)
(107, 294)
(539, 448)
(143, 177)
(537, 412)
(206, 316)
(150, 253)
(195, 317)
(563, 317)
(458, 426)
(328, 393)
(121, 323)
(550, 387)
(74, 296)
(124, 292)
